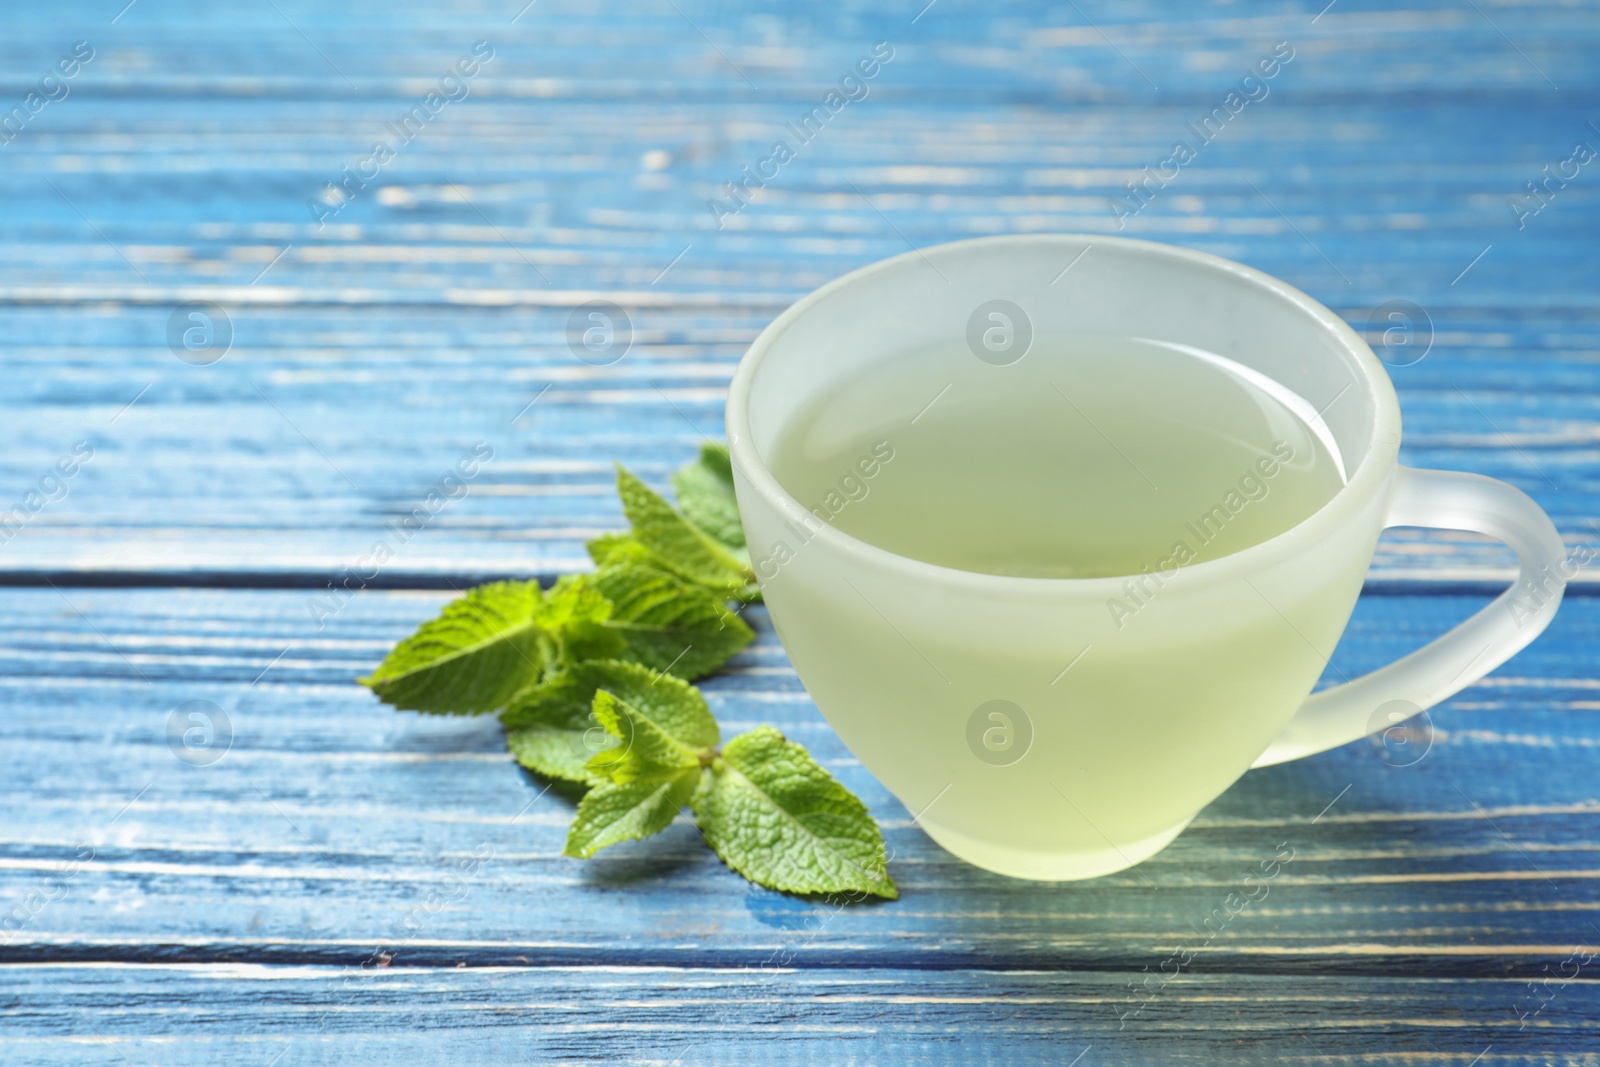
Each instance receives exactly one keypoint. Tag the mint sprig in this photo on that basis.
(592, 682)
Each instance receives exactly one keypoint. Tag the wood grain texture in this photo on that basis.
(305, 895)
(152, 910)
(369, 352)
(331, 825)
(181, 1014)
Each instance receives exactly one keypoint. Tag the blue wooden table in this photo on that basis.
(344, 884)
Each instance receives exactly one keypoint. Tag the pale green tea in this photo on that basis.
(1087, 458)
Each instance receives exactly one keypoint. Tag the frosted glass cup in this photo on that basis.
(1024, 730)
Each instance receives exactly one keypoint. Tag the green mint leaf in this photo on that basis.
(671, 704)
(646, 749)
(705, 495)
(572, 600)
(617, 548)
(681, 546)
(668, 624)
(610, 813)
(551, 728)
(620, 549)
(481, 650)
(573, 617)
(775, 816)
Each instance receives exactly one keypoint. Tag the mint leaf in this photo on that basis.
(622, 549)
(655, 770)
(681, 546)
(705, 495)
(609, 814)
(552, 728)
(573, 617)
(572, 600)
(668, 624)
(782, 821)
(646, 749)
(671, 704)
(618, 548)
(481, 650)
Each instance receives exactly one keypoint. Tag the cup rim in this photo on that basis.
(1371, 474)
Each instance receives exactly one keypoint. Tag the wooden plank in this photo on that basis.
(568, 48)
(333, 825)
(186, 1014)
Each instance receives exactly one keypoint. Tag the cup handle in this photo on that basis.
(1444, 500)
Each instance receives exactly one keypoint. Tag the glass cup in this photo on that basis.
(1026, 732)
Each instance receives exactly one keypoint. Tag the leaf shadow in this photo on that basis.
(678, 848)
